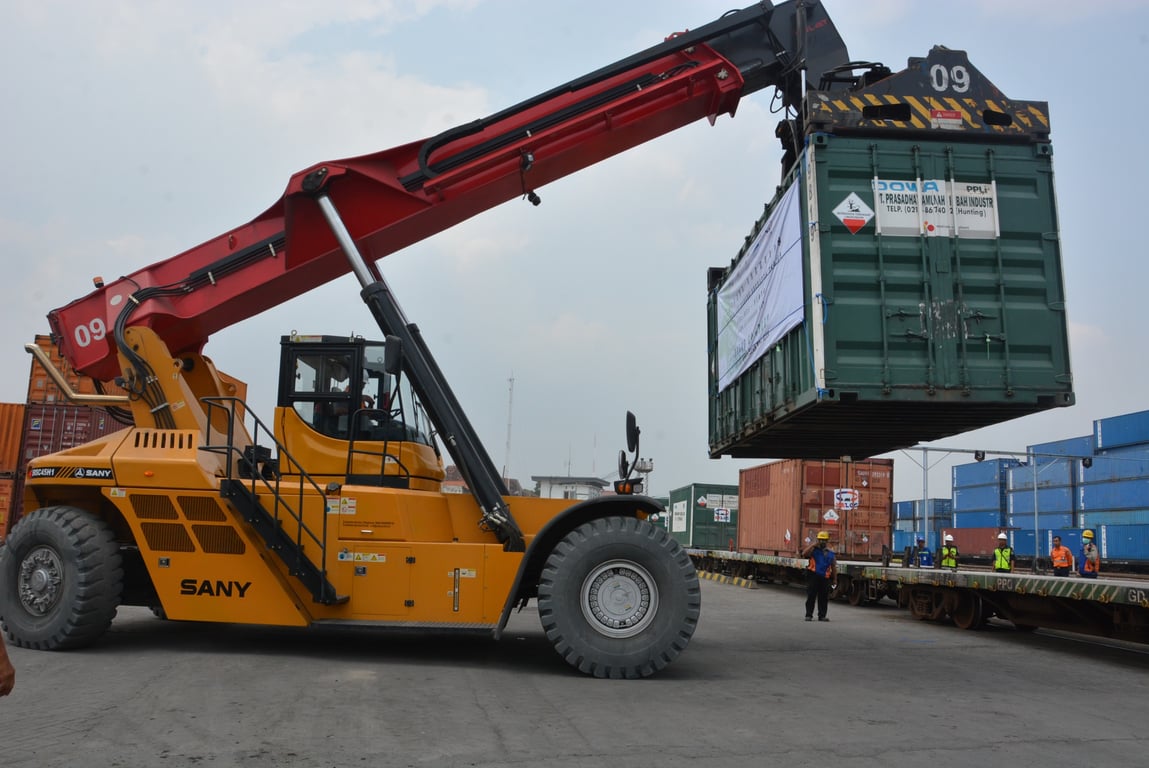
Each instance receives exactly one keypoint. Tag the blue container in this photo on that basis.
(903, 510)
(1023, 543)
(904, 526)
(1115, 465)
(1128, 543)
(988, 472)
(903, 539)
(979, 498)
(1049, 501)
(1117, 494)
(1117, 431)
(1070, 537)
(1054, 472)
(1073, 447)
(1115, 517)
(1044, 522)
(993, 519)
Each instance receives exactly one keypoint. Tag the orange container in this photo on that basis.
(783, 505)
(41, 388)
(11, 437)
(7, 499)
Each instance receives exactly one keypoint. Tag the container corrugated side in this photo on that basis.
(51, 427)
(7, 505)
(785, 503)
(1119, 431)
(988, 472)
(41, 388)
(11, 437)
(1128, 543)
(1116, 494)
(979, 498)
(1070, 447)
(902, 338)
(1061, 500)
(1115, 517)
(975, 542)
(1125, 467)
(1052, 474)
(979, 519)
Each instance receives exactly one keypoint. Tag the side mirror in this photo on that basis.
(393, 355)
(632, 432)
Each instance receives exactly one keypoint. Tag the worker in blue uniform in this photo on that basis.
(821, 570)
(924, 558)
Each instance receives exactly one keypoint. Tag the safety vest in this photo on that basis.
(828, 560)
(1001, 558)
(1060, 557)
(949, 557)
(1088, 565)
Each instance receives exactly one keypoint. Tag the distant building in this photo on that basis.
(567, 487)
(454, 483)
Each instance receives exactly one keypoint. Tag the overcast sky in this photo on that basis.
(134, 130)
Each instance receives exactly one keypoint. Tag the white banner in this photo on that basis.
(763, 297)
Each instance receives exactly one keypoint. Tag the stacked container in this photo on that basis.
(11, 429)
(979, 493)
(704, 516)
(785, 503)
(46, 424)
(913, 516)
(1114, 491)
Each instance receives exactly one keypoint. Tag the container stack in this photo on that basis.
(46, 423)
(704, 516)
(914, 520)
(1114, 489)
(11, 429)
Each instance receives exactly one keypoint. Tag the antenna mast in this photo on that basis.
(510, 405)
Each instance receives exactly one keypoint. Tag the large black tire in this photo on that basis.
(60, 579)
(619, 598)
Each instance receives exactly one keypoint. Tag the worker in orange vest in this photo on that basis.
(1061, 558)
(1090, 557)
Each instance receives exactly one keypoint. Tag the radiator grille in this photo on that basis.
(167, 537)
(218, 539)
(201, 508)
(153, 507)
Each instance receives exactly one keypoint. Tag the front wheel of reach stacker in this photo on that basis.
(619, 598)
(61, 576)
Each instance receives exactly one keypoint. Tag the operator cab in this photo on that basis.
(340, 387)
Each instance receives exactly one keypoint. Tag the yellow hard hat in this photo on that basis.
(824, 535)
(1087, 535)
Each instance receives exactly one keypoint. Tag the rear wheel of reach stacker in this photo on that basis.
(60, 579)
(619, 598)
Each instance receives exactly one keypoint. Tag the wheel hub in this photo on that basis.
(40, 581)
(619, 598)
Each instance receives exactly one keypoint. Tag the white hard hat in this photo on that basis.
(1002, 536)
(949, 537)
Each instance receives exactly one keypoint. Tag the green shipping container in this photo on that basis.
(704, 516)
(895, 291)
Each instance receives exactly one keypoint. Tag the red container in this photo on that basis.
(41, 389)
(49, 428)
(976, 542)
(7, 502)
(783, 505)
(11, 432)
